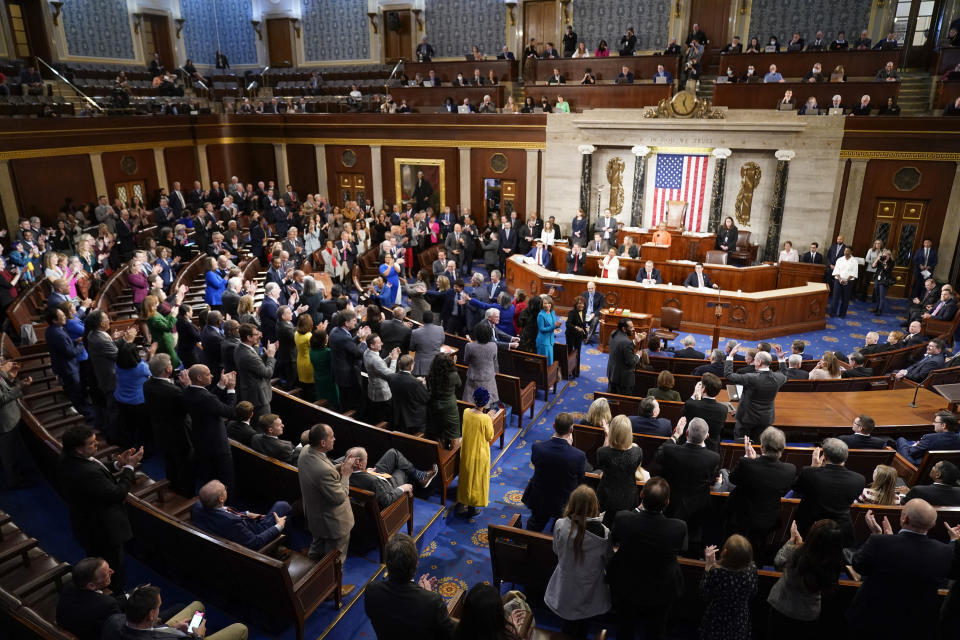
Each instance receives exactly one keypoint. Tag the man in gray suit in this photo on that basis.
(254, 370)
(755, 411)
(425, 342)
(10, 390)
(326, 495)
(102, 349)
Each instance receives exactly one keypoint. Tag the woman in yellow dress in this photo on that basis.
(473, 485)
(302, 339)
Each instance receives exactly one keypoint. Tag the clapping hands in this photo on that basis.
(874, 527)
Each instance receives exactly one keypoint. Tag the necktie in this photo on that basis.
(937, 309)
(701, 281)
(926, 256)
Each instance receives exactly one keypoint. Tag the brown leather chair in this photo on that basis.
(670, 319)
(744, 252)
(716, 256)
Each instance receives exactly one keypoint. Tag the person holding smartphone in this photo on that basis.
(141, 620)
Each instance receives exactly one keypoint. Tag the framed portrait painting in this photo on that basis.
(420, 182)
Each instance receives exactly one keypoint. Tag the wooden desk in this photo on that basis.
(832, 413)
(765, 95)
(794, 65)
(433, 97)
(951, 392)
(752, 316)
(620, 96)
(609, 319)
(947, 93)
(797, 274)
(505, 70)
(761, 277)
(606, 69)
(683, 245)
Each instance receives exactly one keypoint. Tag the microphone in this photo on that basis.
(913, 403)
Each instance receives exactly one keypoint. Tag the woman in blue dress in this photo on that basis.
(546, 326)
(390, 272)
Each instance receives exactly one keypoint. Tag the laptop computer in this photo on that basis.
(811, 112)
(786, 107)
(463, 109)
(770, 49)
(835, 111)
(723, 80)
(660, 80)
(733, 391)
(428, 83)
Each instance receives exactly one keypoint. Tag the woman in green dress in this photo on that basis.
(161, 328)
(443, 383)
(323, 384)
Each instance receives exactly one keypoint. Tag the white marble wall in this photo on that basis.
(812, 188)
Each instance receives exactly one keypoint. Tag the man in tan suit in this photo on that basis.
(326, 496)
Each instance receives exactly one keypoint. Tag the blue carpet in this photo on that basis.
(453, 549)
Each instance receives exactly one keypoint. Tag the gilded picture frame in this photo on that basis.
(405, 178)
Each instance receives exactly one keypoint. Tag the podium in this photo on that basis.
(610, 317)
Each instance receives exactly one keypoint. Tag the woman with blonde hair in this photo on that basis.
(577, 590)
(881, 491)
(245, 314)
(619, 461)
(161, 328)
(827, 369)
(599, 413)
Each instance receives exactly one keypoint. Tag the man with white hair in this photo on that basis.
(793, 370)
(828, 488)
(230, 299)
(901, 572)
(390, 478)
(689, 349)
(755, 411)
(691, 470)
(863, 108)
(252, 530)
(503, 339)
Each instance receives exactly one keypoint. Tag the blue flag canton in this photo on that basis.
(669, 171)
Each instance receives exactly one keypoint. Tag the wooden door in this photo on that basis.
(350, 187)
(713, 16)
(155, 31)
(28, 30)
(279, 42)
(915, 26)
(499, 199)
(125, 191)
(397, 35)
(541, 21)
(899, 224)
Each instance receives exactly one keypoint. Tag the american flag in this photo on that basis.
(680, 177)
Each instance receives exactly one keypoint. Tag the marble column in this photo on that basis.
(533, 180)
(720, 156)
(161, 163)
(10, 209)
(280, 160)
(946, 270)
(639, 183)
(321, 155)
(377, 175)
(772, 248)
(201, 151)
(99, 180)
(586, 171)
(851, 203)
(464, 199)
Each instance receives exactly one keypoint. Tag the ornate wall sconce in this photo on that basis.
(374, 22)
(511, 16)
(743, 7)
(418, 15)
(565, 11)
(297, 28)
(256, 27)
(179, 22)
(57, 8)
(137, 21)
(676, 9)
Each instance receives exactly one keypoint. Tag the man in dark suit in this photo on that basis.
(83, 607)
(165, 215)
(410, 397)
(703, 404)
(649, 421)
(756, 408)
(689, 349)
(855, 369)
(228, 346)
(834, 253)
(931, 361)
(925, 302)
(624, 358)
(901, 572)
(64, 352)
(96, 498)
(211, 339)
(230, 299)
(253, 369)
(346, 355)
(945, 308)
(239, 428)
(593, 302)
(576, 259)
(691, 469)
(207, 412)
(943, 490)
(649, 544)
(760, 482)
(793, 370)
(828, 489)
(557, 470)
(390, 478)
(540, 254)
(715, 366)
(397, 607)
(699, 279)
(945, 437)
(925, 259)
(508, 239)
(269, 443)
(395, 332)
(860, 438)
(812, 256)
(252, 530)
(649, 273)
(170, 423)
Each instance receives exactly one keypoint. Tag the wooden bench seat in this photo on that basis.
(920, 474)
(568, 359)
(518, 397)
(531, 367)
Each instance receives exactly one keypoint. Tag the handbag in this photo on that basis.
(517, 601)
